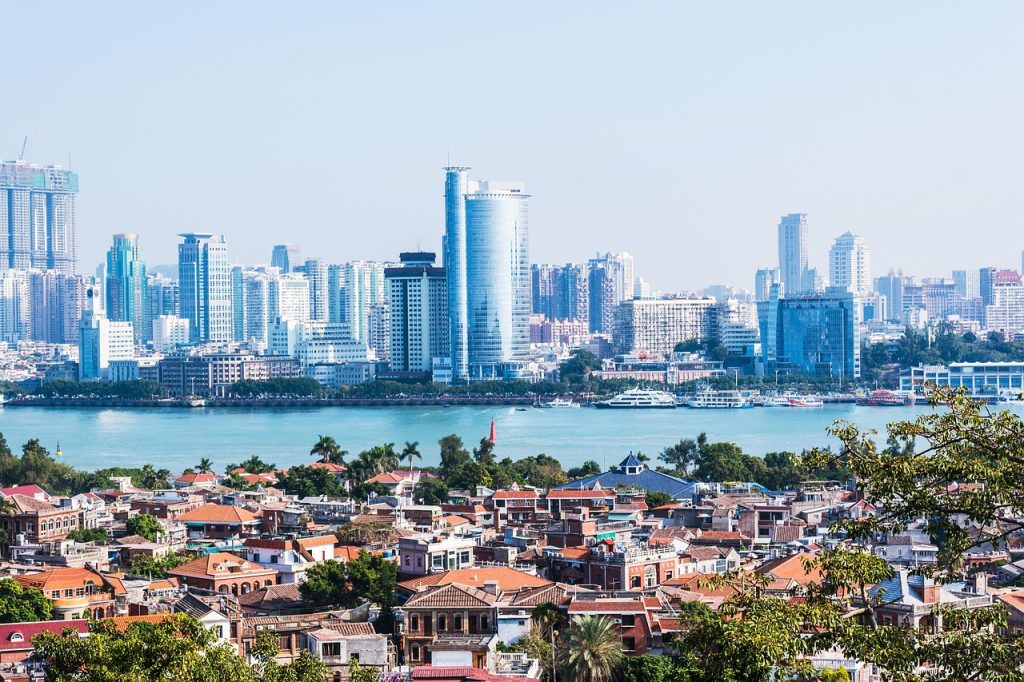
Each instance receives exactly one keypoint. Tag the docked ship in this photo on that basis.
(709, 399)
(793, 400)
(640, 398)
(561, 402)
(884, 398)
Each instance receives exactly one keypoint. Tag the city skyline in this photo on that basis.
(917, 139)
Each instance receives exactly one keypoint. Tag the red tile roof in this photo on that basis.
(217, 513)
(515, 495)
(18, 636)
(30, 490)
(508, 579)
(220, 565)
(196, 477)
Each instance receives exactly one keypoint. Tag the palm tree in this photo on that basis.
(592, 650)
(205, 466)
(411, 450)
(154, 478)
(328, 450)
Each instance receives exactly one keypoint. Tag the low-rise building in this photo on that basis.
(224, 573)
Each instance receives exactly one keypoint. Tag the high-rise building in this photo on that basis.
(316, 273)
(204, 279)
(891, 287)
(417, 294)
(819, 335)
(768, 323)
(968, 283)
(238, 303)
(543, 283)
(601, 297)
(285, 257)
(15, 306)
(1006, 312)
(37, 217)
(793, 252)
(258, 316)
(764, 278)
(57, 301)
(162, 299)
(364, 289)
(289, 298)
(849, 265)
(574, 293)
(125, 290)
(336, 293)
(986, 280)
(169, 332)
(101, 341)
(655, 326)
(456, 186)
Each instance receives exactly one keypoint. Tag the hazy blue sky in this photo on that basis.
(676, 131)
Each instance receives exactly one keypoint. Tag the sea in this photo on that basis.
(176, 438)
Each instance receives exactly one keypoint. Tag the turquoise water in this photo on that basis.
(176, 438)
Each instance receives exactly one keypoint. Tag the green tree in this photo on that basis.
(22, 605)
(649, 669)
(411, 451)
(252, 465)
(153, 478)
(307, 481)
(328, 450)
(347, 584)
(431, 491)
(656, 498)
(588, 469)
(205, 465)
(592, 650)
(453, 454)
(485, 452)
(97, 535)
(158, 567)
(680, 456)
(359, 674)
(145, 525)
(579, 366)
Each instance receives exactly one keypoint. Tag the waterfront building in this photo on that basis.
(768, 323)
(102, 342)
(986, 278)
(363, 289)
(764, 278)
(378, 330)
(317, 343)
(819, 335)
(655, 326)
(56, 303)
(487, 266)
(570, 333)
(979, 379)
(238, 303)
(417, 294)
(125, 290)
(37, 217)
(561, 292)
(289, 297)
(607, 278)
(336, 293)
(15, 306)
(849, 265)
(213, 374)
(204, 279)
(285, 257)
(256, 287)
(793, 252)
(968, 283)
(169, 332)
(316, 274)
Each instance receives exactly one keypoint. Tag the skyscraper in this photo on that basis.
(162, 295)
(285, 257)
(364, 290)
(793, 252)
(891, 286)
(849, 265)
(125, 290)
(764, 278)
(819, 334)
(316, 273)
(57, 301)
(417, 294)
(14, 306)
(204, 279)
(37, 217)
(487, 264)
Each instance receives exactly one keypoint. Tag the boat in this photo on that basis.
(709, 399)
(561, 402)
(884, 398)
(805, 401)
(640, 398)
(196, 402)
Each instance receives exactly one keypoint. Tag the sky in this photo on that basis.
(677, 131)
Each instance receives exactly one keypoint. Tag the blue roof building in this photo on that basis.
(632, 473)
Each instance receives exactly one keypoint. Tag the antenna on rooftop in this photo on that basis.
(24, 144)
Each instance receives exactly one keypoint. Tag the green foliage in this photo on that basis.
(153, 479)
(579, 366)
(145, 525)
(293, 387)
(712, 349)
(253, 465)
(650, 669)
(656, 498)
(377, 460)
(179, 649)
(347, 584)
(431, 491)
(359, 674)
(306, 668)
(124, 390)
(305, 481)
(364, 491)
(22, 605)
(328, 450)
(37, 466)
(591, 651)
(158, 567)
(588, 469)
(97, 535)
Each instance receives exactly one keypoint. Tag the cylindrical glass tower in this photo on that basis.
(456, 184)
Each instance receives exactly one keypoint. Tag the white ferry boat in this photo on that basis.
(710, 399)
(561, 402)
(640, 398)
(793, 400)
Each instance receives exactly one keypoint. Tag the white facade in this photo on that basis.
(14, 306)
(418, 296)
(849, 265)
(102, 341)
(655, 326)
(289, 297)
(169, 331)
(364, 288)
(1006, 313)
(793, 252)
(316, 343)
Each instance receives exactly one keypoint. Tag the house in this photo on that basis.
(709, 559)
(218, 521)
(632, 473)
(34, 520)
(291, 558)
(338, 644)
(401, 482)
(196, 479)
(271, 600)
(628, 613)
(451, 625)
(516, 507)
(166, 506)
(568, 500)
(910, 600)
(218, 614)
(507, 579)
(78, 592)
(290, 631)
(339, 471)
(907, 550)
(515, 609)
(224, 573)
(789, 575)
(16, 638)
(421, 555)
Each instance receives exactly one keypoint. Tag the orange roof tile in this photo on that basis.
(217, 513)
(508, 579)
(791, 568)
(220, 564)
(59, 579)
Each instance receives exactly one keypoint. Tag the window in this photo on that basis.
(273, 558)
(441, 622)
(414, 652)
(628, 621)
(483, 622)
(457, 622)
(17, 637)
(629, 643)
(331, 649)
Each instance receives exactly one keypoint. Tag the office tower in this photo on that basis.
(937, 297)
(257, 307)
(764, 278)
(15, 306)
(487, 265)
(1006, 312)
(891, 286)
(364, 289)
(238, 303)
(814, 281)
(641, 288)
(37, 217)
(819, 335)
(417, 293)
(316, 273)
(169, 332)
(968, 283)
(849, 265)
(101, 341)
(655, 326)
(986, 278)
(161, 299)
(336, 293)
(204, 280)
(768, 323)
(601, 297)
(125, 290)
(285, 257)
(289, 298)
(543, 285)
(378, 330)
(793, 252)
(736, 325)
(56, 303)
(574, 293)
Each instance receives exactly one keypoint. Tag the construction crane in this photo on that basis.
(24, 144)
